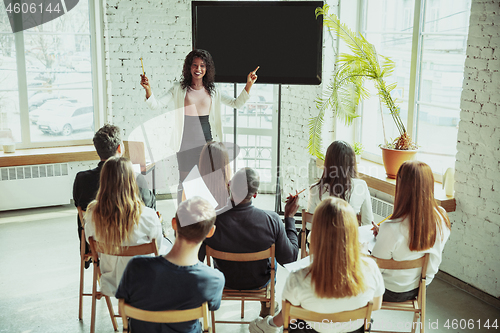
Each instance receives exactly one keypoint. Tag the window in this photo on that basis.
(45, 78)
(431, 110)
(256, 131)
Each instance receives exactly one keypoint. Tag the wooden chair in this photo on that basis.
(84, 257)
(290, 312)
(306, 218)
(265, 294)
(125, 251)
(417, 306)
(168, 316)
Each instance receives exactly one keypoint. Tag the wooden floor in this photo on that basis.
(39, 272)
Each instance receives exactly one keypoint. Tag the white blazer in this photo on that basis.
(177, 95)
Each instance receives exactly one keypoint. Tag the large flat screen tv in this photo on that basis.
(284, 38)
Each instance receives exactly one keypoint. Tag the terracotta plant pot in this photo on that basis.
(393, 158)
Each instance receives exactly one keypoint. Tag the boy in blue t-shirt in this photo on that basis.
(177, 281)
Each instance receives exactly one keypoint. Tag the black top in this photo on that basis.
(156, 284)
(245, 229)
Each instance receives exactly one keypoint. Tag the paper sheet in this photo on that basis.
(366, 236)
(299, 264)
(194, 186)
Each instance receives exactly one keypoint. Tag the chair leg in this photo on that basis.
(415, 322)
(80, 298)
(242, 308)
(111, 313)
(213, 321)
(94, 299)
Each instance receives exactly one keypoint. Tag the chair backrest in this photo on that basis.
(296, 312)
(168, 316)
(254, 256)
(407, 264)
(306, 218)
(134, 150)
(124, 251)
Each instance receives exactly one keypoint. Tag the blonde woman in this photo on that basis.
(118, 217)
(417, 226)
(339, 277)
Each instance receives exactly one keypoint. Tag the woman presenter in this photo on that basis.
(197, 105)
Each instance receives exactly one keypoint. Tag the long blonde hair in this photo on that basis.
(118, 205)
(414, 199)
(336, 269)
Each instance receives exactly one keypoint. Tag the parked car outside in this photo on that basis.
(50, 107)
(67, 120)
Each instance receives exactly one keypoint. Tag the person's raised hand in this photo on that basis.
(145, 85)
(251, 78)
(292, 205)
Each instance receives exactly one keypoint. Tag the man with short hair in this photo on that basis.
(108, 143)
(177, 281)
(245, 229)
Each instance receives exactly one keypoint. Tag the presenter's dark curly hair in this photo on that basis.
(208, 79)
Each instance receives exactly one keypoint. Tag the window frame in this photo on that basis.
(418, 35)
(99, 96)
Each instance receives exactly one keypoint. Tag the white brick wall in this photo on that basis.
(297, 107)
(472, 253)
(160, 33)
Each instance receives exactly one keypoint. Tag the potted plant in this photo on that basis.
(358, 150)
(346, 90)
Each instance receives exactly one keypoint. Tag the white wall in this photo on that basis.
(160, 33)
(472, 253)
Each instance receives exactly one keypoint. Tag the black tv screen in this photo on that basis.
(284, 38)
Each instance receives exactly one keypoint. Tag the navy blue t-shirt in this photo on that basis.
(157, 284)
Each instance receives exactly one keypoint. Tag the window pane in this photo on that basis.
(396, 46)
(58, 78)
(10, 120)
(440, 88)
(254, 130)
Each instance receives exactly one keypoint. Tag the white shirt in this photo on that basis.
(393, 243)
(112, 267)
(177, 95)
(359, 199)
(299, 291)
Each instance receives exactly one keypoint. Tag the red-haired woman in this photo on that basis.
(339, 277)
(417, 226)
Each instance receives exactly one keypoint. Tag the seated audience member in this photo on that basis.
(245, 229)
(118, 217)
(177, 281)
(340, 179)
(417, 226)
(339, 278)
(107, 143)
(216, 171)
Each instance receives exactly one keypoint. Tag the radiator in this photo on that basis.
(35, 186)
(381, 209)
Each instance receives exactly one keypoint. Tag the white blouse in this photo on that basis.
(393, 243)
(299, 290)
(359, 199)
(112, 267)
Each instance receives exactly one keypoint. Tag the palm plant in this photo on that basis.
(346, 89)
